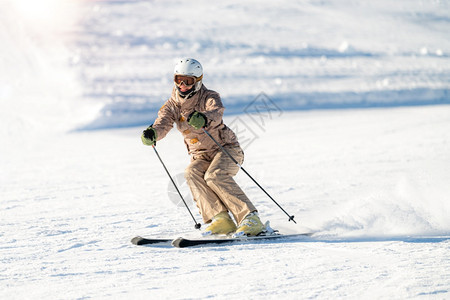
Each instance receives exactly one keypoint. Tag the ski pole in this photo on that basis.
(291, 218)
(197, 225)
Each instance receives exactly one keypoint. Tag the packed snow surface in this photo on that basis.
(342, 108)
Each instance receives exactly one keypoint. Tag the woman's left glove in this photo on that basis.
(197, 120)
(148, 136)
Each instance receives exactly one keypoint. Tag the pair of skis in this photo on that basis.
(220, 240)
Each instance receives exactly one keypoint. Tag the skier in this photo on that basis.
(210, 174)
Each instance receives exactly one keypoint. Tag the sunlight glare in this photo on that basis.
(46, 14)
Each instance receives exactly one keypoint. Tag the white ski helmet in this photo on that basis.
(189, 67)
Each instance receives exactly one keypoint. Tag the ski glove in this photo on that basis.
(197, 120)
(148, 136)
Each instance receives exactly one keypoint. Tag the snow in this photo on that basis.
(342, 108)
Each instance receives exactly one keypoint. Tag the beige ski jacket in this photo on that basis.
(177, 110)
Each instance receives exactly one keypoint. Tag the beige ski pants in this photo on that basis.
(213, 187)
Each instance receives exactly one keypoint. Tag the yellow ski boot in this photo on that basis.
(251, 225)
(221, 224)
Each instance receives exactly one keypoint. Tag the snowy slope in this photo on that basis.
(303, 54)
(361, 178)
(356, 146)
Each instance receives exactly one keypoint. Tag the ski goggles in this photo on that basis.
(187, 80)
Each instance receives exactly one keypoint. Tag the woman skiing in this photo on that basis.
(210, 174)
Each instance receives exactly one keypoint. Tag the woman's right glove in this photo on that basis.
(148, 136)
